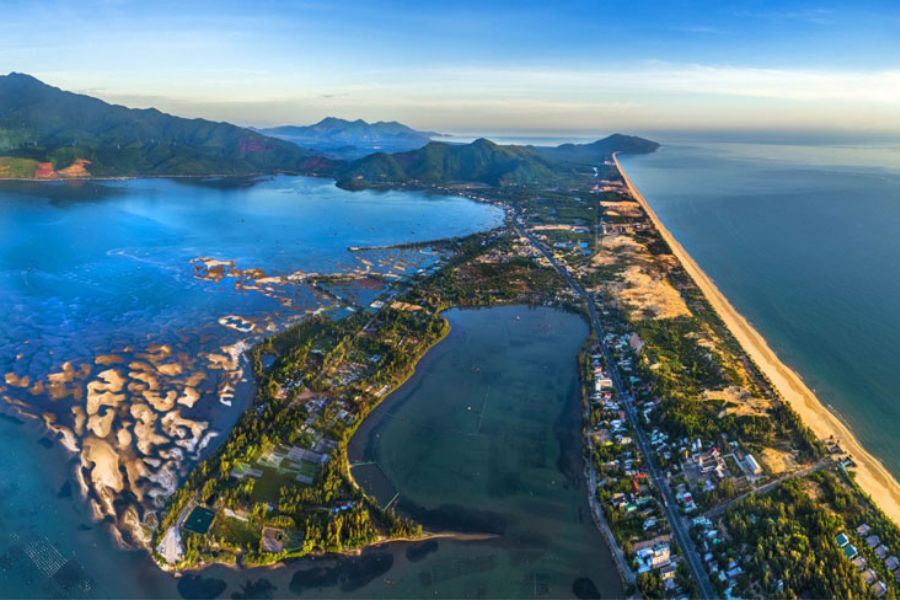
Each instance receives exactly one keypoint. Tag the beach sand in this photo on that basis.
(871, 475)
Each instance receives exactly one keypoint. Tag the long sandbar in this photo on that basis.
(871, 475)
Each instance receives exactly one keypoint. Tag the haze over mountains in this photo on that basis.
(48, 133)
(349, 140)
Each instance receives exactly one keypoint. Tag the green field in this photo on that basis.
(240, 532)
(268, 487)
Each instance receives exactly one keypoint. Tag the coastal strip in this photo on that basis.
(870, 474)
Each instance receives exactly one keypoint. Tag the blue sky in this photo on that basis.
(489, 65)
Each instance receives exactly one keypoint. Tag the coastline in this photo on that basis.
(874, 479)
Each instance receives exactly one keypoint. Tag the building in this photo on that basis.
(752, 465)
(661, 556)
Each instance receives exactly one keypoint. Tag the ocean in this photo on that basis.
(804, 240)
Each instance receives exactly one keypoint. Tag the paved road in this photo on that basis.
(676, 522)
(767, 487)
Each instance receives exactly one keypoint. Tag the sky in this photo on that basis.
(477, 65)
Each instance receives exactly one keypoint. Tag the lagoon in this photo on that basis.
(149, 290)
(485, 438)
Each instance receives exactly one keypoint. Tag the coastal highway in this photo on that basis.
(676, 522)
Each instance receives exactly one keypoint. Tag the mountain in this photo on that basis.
(46, 132)
(482, 162)
(598, 151)
(353, 139)
(485, 163)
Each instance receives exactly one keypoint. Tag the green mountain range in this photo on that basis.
(49, 133)
(485, 163)
(46, 132)
(350, 140)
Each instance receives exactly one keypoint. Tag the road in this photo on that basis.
(676, 522)
(767, 487)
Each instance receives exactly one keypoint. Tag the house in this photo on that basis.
(881, 551)
(869, 576)
(842, 540)
(859, 562)
(892, 563)
(872, 541)
(732, 573)
(661, 555)
(863, 530)
(603, 383)
(878, 589)
(850, 551)
(752, 465)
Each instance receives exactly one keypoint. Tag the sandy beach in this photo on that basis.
(871, 475)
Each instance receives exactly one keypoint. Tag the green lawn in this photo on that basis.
(237, 531)
(267, 487)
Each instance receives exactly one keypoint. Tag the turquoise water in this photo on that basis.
(100, 277)
(805, 242)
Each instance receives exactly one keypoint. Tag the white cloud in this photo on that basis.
(637, 95)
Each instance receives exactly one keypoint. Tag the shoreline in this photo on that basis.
(871, 476)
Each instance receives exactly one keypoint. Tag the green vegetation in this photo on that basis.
(482, 162)
(280, 485)
(790, 535)
(15, 168)
(485, 163)
(41, 123)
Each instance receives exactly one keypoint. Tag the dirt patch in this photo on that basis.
(649, 295)
(622, 209)
(76, 169)
(778, 461)
(738, 401)
(405, 306)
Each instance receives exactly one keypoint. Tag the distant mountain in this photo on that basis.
(345, 139)
(485, 163)
(598, 151)
(47, 132)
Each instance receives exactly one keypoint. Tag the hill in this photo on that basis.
(600, 150)
(46, 132)
(485, 163)
(345, 139)
(481, 162)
